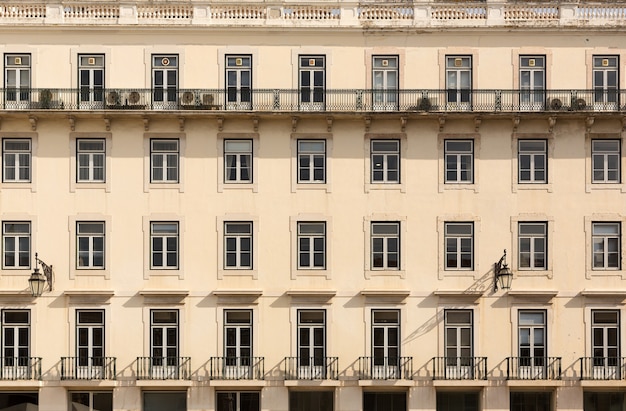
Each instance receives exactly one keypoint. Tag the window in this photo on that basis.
(532, 161)
(385, 245)
(165, 401)
(384, 401)
(164, 245)
(607, 238)
(457, 401)
(311, 400)
(238, 161)
(92, 401)
(238, 401)
(311, 344)
(531, 328)
(600, 401)
(606, 81)
(17, 81)
(16, 344)
(532, 246)
(459, 161)
(90, 156)
(164, 81)
(532, 81)
(90, 244)
(606, 159)
(385, 343)
(311, 245)
(311, 161)
(458, 337)
(536, 401)
(164, 156)
(238, 81)
(238, 341)
(89, 343)
(459, 80)
(385, 158)
(91, 80)
(385, 82)
(16, 155)
(312, 78)
(459, 243)
(164, 343)
(605, 343)
(16, 244)
(238, 245)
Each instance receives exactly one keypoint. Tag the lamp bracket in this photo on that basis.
(47, 270)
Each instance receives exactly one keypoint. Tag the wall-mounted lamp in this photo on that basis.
(502, 274)
(38, 281)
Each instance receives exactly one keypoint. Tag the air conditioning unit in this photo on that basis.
(187, 97)
(134, 97)
(579, 104)
(556, 104)
(208, 99)
(113, 97)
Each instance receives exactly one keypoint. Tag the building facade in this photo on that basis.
(303, 207)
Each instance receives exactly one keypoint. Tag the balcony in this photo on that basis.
(385, 368)
(163, 368)
(20, 368)
(533, 368)
(88, 368)
(311, 368)
(236, 368)
(320, 101)
(459, 368)
(602, 368)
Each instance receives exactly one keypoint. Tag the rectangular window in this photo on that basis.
(532, 245)
(15, 344)
(164, 161)
(385, 239)
(386, 343)
(92, 401)
(91, 80)
(311, 161)
(90, 156)
(164, 341)
(458, 343)
(385, 82)
(238, 401)
(238, 161)
(532, 161)
(238, 81)
(17, 81)
(459, 161)
(164, 401)
(238, 337)
(164, 81)
(384, 401)
(607, 240)
(311, 245)
(531, 328)
(605, 342)
(606, 80)
(311, 400)
(16, 156)
(164, 245)
(238, 246)
(459, 240)
(459, 80)
(532, 82)
(16, 237)
(90, 343)
(524, 401)
(90, 245)
(312, 79)
(457, 401)
(311, 343)
(606, 157)
(385, 161)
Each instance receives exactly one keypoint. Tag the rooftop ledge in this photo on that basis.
(338, 13)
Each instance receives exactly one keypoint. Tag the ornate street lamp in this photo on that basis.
(37, 280)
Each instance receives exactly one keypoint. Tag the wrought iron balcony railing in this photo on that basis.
(163, 368)
(459, 368)
(533, 368)
(315, 100)
(385, 368)
(88, 368)
(236, 368)
(20, 368)
(602, 368)
(311, 368)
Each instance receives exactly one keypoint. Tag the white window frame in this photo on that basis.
(91, 397)
(90, 327)
(222, 183)
(91, 155)
(458, 155)
(238, 251)
(17, 250)
(91, 64)
(534, 184)
(235, 64)
(166, 156)
(382, 166)
(606, 239)
(534, 155)
(533, 239)
(457, 66)
(168, 95)
(75, 182)
(590, 183)
(385, 184)
(312, 239)
(532, 328)
(605, 347)
(312, 327)
(385, 96)
(609, 63)
(164, 326)
(238, 155)
(237, 399)
(22, 99)
(164, 239)
(606, 155)
(17, 165)
(312, 156)
(89, 265)
(458, 238)
(458, 327)
(388, 366)
(237, 218)
(385, 239)
(312, 91)
(532, 96)
(22, 360)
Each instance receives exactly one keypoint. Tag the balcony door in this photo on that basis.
(17, 81)
(91, 81)
(458, 344)
(606, 82)
(311, 344)
(385, 344)
(532, 344)
(459, 82)
(385, 82)
(238, 344)
(605, 344)
(15, 345)
(312, 77)
(238, 82)
(89, 344)
(164, 344)
(532, 80)
(164, 81)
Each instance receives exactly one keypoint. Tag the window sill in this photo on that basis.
(311, 187)
(474, 273)
(385, 186)
(605, 186)
(221, 273)
(90, 272)
(303, 272)
(590, 273)
(533, 273)
(385, 273)
(165, 186)
(18, 185)
(532, 186)
(458, 186)
(161, 272)
(237, 186)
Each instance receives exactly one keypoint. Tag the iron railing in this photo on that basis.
(311, 368)
(385, 368)
(20, 368)
(602, 368)
(88, 368)
(533, 368)
(315, 100)
(163, 368)
(459, 368)
(236, 368)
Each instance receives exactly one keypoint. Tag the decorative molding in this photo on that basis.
(403, 121)
(89, 296)
(477, 121)
(329, 124)
(385, 296)
(242, 296)
(588, 123)
(294, 124)
(545, 296)
(181, 124)
(255, 123)
(17, 297)
(368, 123)
(146, 123)
(551, 124)
(107, 124)
(516, 121)
(72, 121)
(220, 123)
(442, 122)
(170, 297)
(33, 122)
(313, 296)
